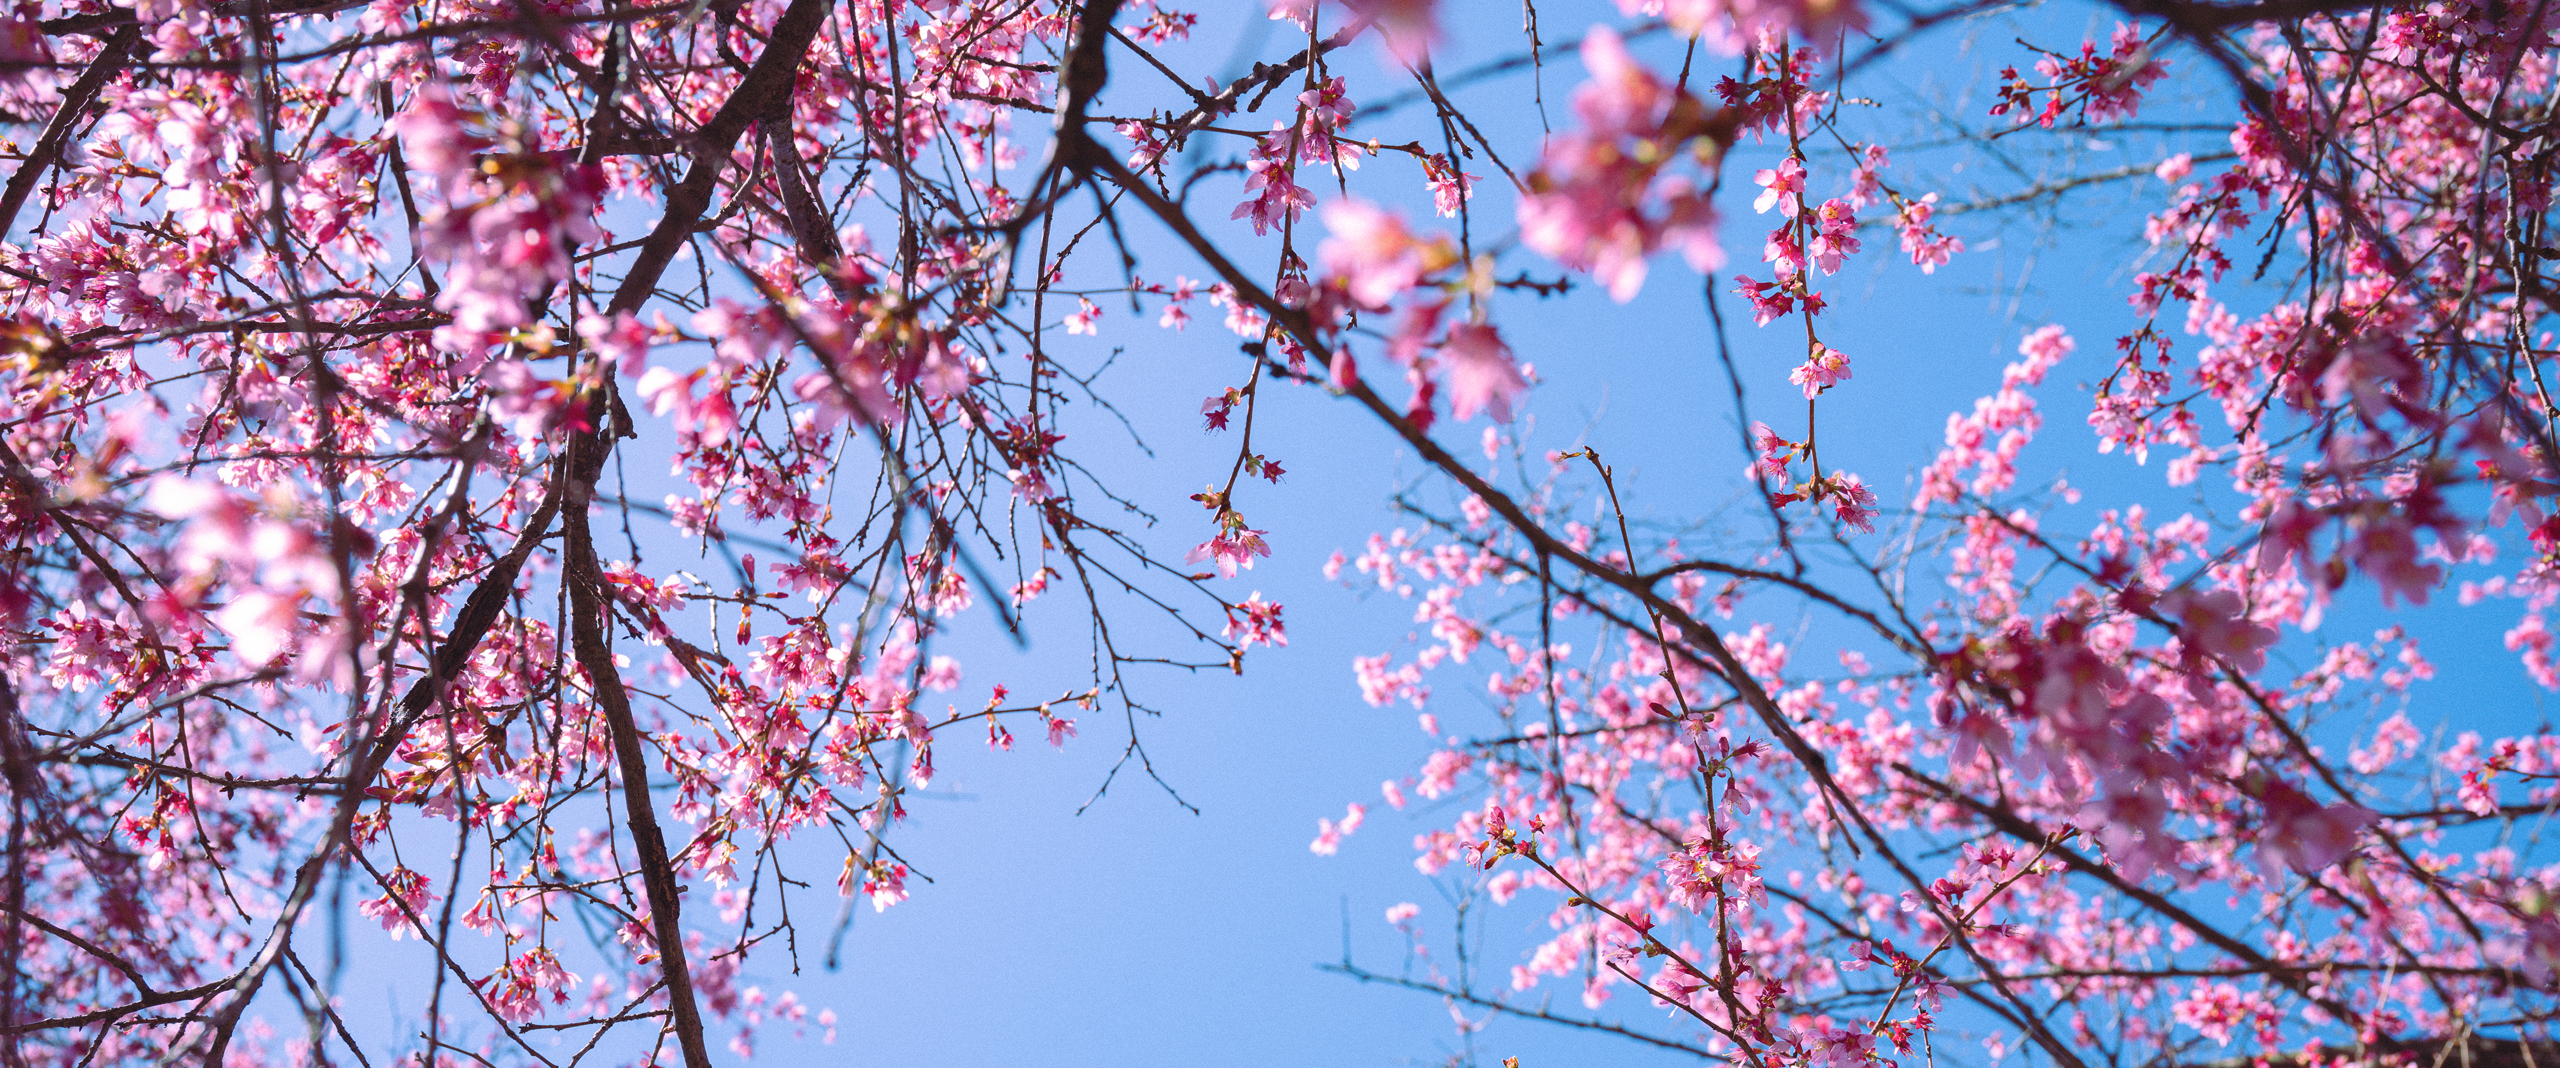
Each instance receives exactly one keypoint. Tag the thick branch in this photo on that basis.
(657, 874)
(75, 102)
(2018, 827)
(769, 81)
(366, 760)
(1694, 634)
(2221, 16)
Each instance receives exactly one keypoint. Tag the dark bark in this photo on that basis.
(57, 133)
(768, 83)
(2467, 1051)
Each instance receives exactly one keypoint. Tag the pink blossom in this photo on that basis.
(2303, 835)
(708, 419)
(1232, 550)
(1030, 485)
(518, 985)
(1591, 205)
(1736, 21)
(1329, 835)
(1825, 368)
(1451, 188)
(1853, 502)
(406, 894)
(886, 885)
(2387, 550)
(1342, 372)
(433, 135)
(1177, 314)
(2215, 1009)
(1259, 623)
(1271, 178)
(1929, 250)
(1371, 254)
(1082, 320)
(942, 675)
(1769, 300)
(620, 340)
(1864, 187)
(1773, 452)
(2216, 624)
(1780, 187)
(1835, 235)
(1479, 372)
(1149, 149)
(261, 625)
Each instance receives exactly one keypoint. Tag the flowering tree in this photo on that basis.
(339, 329)
(2069, 805)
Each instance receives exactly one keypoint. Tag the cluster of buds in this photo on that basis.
(1848, 494)
(1850, 498)
(1637, 920)
(2103, 87)
(1501, 841)
(1235, 545)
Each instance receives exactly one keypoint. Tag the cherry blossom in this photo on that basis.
(1480, 373)
(1827, 367)
(589, 442)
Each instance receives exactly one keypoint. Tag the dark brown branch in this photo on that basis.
(586, 584)
(2018, 827)
(771, 79)
(1695, 635)
(2221, 16)
(57, 133)
(115, 1011)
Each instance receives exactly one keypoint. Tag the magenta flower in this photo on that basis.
(1232, 550)
(2301, 834)
(1478, 371)
(1822, 370)
(1371, 254)
(1853, 502)
(1592, 204)
(1781, 187)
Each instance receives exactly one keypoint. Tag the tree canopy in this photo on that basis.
(336, 332)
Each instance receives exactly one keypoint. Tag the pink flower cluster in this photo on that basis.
(1602, 199)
